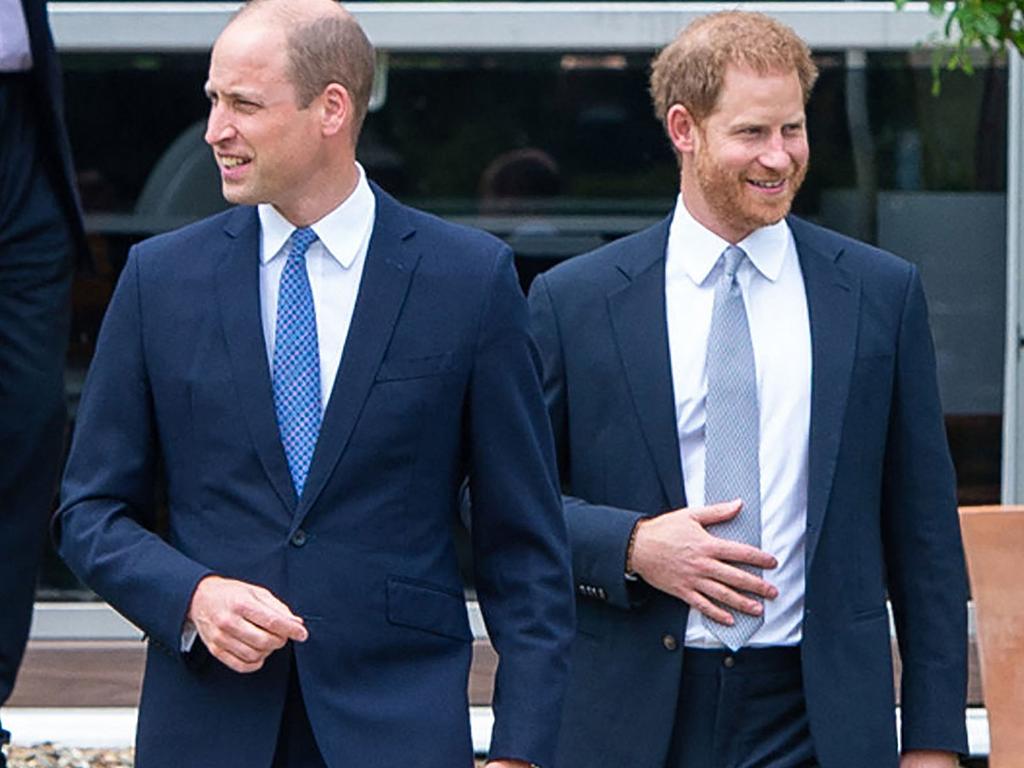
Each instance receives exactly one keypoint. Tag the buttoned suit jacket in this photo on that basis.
(881, 509)
(438, 378)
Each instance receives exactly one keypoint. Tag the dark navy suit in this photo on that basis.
(40, 238)
(439, 377)
(881, 504)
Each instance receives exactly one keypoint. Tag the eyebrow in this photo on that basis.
(242, 95)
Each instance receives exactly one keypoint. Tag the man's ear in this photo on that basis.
(338, 113)
(682, 129)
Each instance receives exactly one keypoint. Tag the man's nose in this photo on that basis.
(218, 127)
(775, 155)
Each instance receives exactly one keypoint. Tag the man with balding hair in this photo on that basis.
(316, 370)
(751, 442)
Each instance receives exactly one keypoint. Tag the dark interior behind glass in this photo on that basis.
(558, 153)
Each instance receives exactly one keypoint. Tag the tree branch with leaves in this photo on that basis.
(992, 25)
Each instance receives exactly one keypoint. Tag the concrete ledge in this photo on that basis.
(108, 673)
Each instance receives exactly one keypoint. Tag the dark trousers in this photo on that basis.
(742, 710)
(296, 745)
(35, 279)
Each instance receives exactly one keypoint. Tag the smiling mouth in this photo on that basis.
(769, 185)
(230, 161)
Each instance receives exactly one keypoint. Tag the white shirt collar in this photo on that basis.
(698, 249)
(342, 231)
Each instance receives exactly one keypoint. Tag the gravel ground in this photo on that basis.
(55, 756)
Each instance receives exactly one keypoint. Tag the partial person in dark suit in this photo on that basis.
(41, 237)
(751, 442)
(316, 370)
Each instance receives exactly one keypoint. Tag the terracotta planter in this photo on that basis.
(994, 544)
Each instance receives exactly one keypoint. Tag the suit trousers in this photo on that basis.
(296, 744)
(741, 710)
(35, 281)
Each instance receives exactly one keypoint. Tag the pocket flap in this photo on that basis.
(395, 369)
(422, 606)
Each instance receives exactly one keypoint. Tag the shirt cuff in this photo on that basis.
(188, 636)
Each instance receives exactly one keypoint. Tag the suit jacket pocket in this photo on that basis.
(397, 369)
(420, 605)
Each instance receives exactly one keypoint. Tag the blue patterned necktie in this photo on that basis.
(296, 368)
(732, 432)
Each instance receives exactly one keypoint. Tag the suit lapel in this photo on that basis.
(833, 301)
(238, 300)
(390, 262)
(637, 311)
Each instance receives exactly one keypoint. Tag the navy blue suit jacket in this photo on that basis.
(439, 377)
(881, 503)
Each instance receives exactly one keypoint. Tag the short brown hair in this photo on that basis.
(324, 47)
(332, 49)
(690, 70)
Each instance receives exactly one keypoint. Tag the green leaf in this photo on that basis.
(987, 27)
(991, 25)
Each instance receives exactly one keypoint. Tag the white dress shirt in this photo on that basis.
(773, 292)
(334, 264)
(15, 51)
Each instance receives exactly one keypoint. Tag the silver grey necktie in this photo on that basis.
(732, 431)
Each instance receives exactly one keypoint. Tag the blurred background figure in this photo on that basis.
(518, 178)
(41, 236)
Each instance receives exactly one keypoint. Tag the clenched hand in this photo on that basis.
(242, 624)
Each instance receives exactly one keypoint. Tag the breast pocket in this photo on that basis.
(407, 393)
(403, 368)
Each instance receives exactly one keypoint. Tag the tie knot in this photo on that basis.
(733, 257)
(299, 242)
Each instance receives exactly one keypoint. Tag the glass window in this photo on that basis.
(558, 153)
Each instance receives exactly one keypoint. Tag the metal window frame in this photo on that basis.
(1013, 390)
(499, 26)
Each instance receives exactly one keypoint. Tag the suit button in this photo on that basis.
(729, 662)
(299, 538)
(670, 642)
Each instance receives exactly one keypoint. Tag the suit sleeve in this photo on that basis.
(104, 527)
(924, 553)
(598, 534)
(518, 533)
